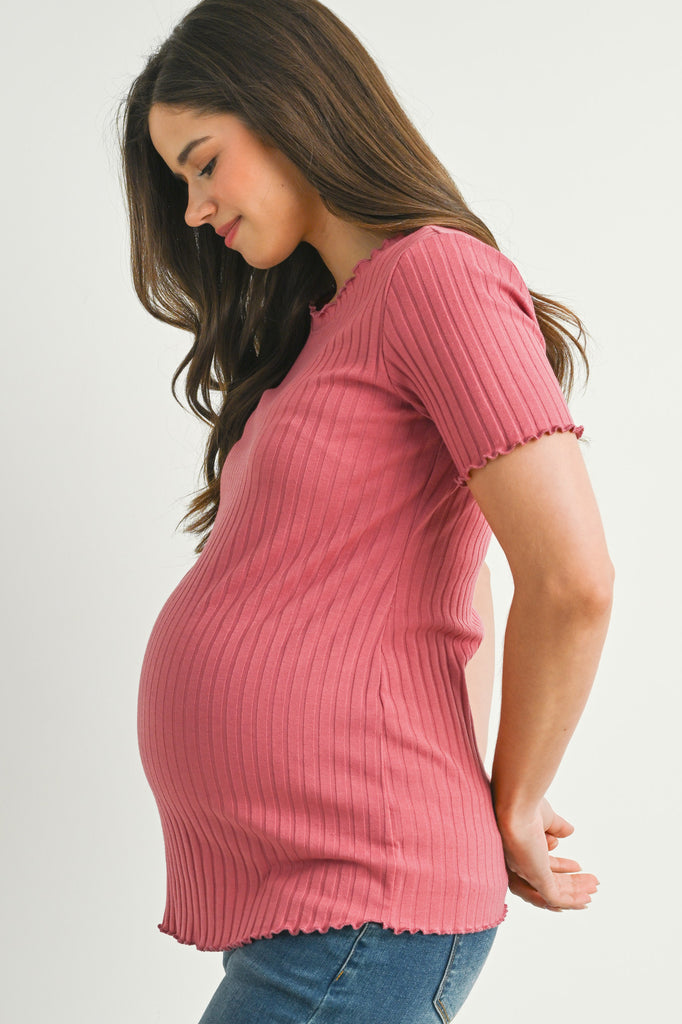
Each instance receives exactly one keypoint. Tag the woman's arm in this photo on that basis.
(540, 505)
(480, 669)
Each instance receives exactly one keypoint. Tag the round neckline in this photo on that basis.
(324, 311)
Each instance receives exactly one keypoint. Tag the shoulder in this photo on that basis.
(431, 240)
(444, 265)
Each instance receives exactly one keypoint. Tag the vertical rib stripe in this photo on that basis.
(303, 718)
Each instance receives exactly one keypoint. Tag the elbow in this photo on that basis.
(584, 592)
(601, 586)
(607, 584)
(587, 591)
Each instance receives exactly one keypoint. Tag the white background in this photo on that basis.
(560, 123)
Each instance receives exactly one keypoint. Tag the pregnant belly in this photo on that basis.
(247, 710)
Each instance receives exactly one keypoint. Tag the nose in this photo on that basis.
(198, 211)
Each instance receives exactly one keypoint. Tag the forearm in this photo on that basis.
(552, 649)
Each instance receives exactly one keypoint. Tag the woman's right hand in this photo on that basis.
(552, 883)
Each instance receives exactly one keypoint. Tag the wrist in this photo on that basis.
(515, 813)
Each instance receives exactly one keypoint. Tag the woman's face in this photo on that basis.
(229, 174)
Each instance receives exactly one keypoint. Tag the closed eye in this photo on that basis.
(206, 171)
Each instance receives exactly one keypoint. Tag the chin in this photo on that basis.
(265, 261)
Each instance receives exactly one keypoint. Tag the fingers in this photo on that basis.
(571, 891)
(560, 827)
(553, 883)
(564, 864)
(520, 887)
(565, 890)
(553, 823)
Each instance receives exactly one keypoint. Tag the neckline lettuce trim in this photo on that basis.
(347, 287)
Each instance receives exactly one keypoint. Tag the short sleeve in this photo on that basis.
(462, 344)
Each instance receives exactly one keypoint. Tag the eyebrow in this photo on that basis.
(182, 157)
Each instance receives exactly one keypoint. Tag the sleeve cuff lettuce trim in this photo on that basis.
(463, 479)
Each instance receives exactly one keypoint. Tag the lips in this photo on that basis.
(226, 227)
(229, 237)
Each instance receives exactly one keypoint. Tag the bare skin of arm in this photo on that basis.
(541, 507)
(480, 669)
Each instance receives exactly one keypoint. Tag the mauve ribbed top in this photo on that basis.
(303, 715)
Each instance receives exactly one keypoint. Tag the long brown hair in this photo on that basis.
(300, 80)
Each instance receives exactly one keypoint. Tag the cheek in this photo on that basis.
(246, 186)
(273, 195)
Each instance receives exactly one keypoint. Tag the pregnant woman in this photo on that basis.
(383, 393)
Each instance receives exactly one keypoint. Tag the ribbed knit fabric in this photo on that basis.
(303, 715)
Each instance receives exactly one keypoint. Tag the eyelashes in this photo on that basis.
(207, 171)
(208, 168)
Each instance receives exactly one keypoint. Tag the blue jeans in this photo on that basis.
(367, 975)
